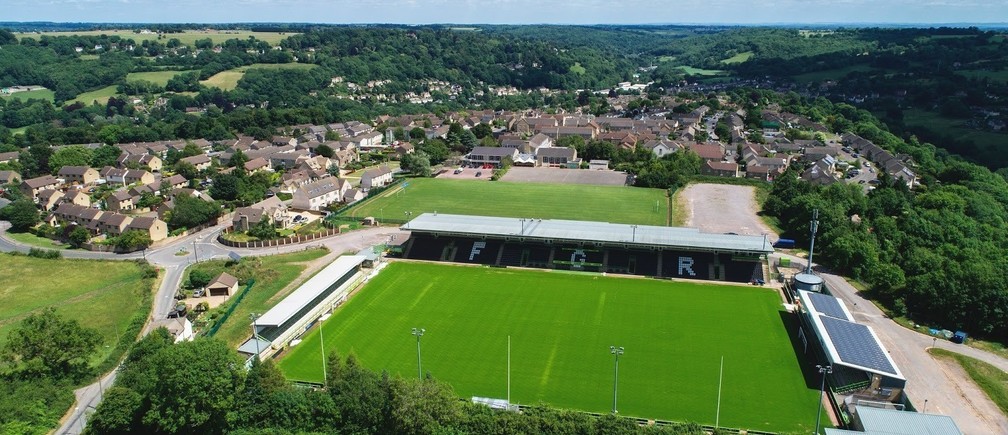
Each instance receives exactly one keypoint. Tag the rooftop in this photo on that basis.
(847, 343)
(584, 231)
(308, 291)
(878, 421)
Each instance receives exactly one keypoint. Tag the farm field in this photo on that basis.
(561, 327)
(159, 78)
(700, 72)
(738, 58)
(41, 94)
(102, 295)
(228, 80)
(617, 204)
(100, 96)
(187, 37)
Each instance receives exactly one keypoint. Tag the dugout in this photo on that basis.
(587, 246)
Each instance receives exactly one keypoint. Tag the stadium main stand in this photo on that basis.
(587, 246)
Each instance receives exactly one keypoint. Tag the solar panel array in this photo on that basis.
(855, 344)
(828, 305)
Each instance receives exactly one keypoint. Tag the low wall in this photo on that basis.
(293, 240)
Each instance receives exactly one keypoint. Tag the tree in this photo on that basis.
(186, 169)
(79, 236)
(324, 151)
(46, 344)
(133, 240)
(73, 155)
(224, 188)
(190, 212)
(199, 278)
(481, 131)
(105, 155)
(238, 159)
(22, 214)
(263, 230)
(417, 163)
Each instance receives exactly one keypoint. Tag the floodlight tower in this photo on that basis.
(616, 351)
(823, 370)
(418, 332)
(814, 229)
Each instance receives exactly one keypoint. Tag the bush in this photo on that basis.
(48, 254)
(199, 278)
(78, 237)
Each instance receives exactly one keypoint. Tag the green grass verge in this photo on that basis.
(272, 274)
(31, 239)
(188, 37)
(738, 58)
(992, 380)
(41, 94)
(102, 295)
(100, 96)
(617, 204)
(159, 78)
(228, 80)
(561, 326)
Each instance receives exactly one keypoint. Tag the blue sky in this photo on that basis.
(511, 11)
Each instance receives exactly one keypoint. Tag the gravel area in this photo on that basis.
(565, 176)
(722, 208)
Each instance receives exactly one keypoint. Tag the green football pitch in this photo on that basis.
(617, 204)
(561, 325)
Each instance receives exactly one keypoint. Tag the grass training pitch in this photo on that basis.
(228, 80)
(561, 325)
(617, 204)
(39, 94)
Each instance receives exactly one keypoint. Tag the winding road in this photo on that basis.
(200, 246)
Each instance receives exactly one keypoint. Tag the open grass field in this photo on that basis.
(561, 326)
(157, 77)
(617, 204)
(738, 58)
(273, 273)
(41, 94)
(187, 38)
(100, 96)
(103, 295)
(700, 72)
(32, 239)
(992, 380)
(228, 80)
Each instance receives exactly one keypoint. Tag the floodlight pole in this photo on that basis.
(814, 229)
(325, 376)
(823, 370)
(717, 418)
(418, 332)
(617, 351)
(408, 214)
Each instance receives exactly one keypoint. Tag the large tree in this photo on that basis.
(73, 155)
(47, 344)
(22, 214)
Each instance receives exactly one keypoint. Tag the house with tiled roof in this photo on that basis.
(78, 175)
(156, 228)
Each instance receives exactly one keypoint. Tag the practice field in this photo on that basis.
(228, 80)
(561, 326)
(40, 94)
(617, 204)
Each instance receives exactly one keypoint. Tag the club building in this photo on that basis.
(292, 316)
(665, 252)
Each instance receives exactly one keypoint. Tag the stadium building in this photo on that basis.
(668, 252)
(297, 312)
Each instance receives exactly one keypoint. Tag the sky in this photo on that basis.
(511, 11)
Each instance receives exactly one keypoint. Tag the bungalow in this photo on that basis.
(113, 224)
(201, 162)
(481, 156)
(49, 198)
(120, 201)
(9, 177)
(816, 153)
(555, 156)
(720, 169)
(283, 140)
(156, 228)
(78, 175)
(32, 186)
(373, 178)
(319, 194)
(223, 285)
(287, 160)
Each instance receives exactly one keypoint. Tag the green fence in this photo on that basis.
(230, 309)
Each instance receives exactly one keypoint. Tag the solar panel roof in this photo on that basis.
(855, 344)
(558, 229)
(828, 305)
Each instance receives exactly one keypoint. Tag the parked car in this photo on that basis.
(479, 173)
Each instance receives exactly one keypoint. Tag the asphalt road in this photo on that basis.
(200, 246)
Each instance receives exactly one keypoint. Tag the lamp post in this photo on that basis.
(823, 370)
(616, 351)
(408, 214)
(418, 332)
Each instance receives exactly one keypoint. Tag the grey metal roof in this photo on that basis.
(250, 346)
(308, 291)
(893, 422)
(829, 306)
(585, 231)
(847, 343)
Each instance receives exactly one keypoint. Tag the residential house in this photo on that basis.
(156, 228)
(283, 140)
(201, 162)
(661, 147)
(83, 175)
(817, 153)
(113, 224)
(344, 157)
(758, 172)
(151, 162)
(89, 218)
(353, 195)
(490, 156)
(377, 177)
(120, 201)
(587, 133)
(8, 157)
(709, 152)
(77, 196)
(403, 148)
(32, 186)
(49, 198)
(821, 172)
(720, 169)
(133, 176)
(9, 177)
(223, 285)
(66, 212)
(319, 194)
(257, 164)
(272, 209)
(556, 156)
(288, 160)
(538, 141)
(176, 181)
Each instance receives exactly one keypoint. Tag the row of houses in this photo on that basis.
(109, 223)
(896, 167)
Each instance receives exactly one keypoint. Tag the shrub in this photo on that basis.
(48, 254)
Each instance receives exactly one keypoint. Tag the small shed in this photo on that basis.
(223, 285)
(598, 165)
